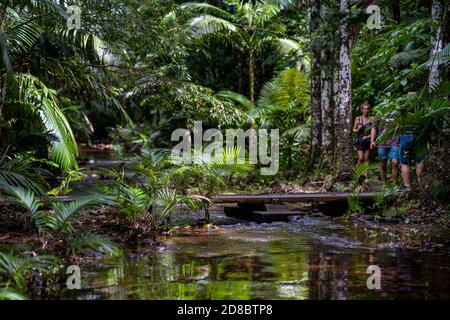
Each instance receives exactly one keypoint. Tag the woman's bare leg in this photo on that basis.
(383, 171)
(394, 171)
(405, 174)
(366, 160)
(360, 157)
(419, 170)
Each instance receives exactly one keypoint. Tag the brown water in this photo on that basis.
(311, 258)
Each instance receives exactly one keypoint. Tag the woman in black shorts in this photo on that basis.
(363, 125)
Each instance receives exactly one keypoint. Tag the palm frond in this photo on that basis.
(441, 58)
(7, 294)
(23, 32)
(207, 24)
(289, 90)
(16, 268)
(301, 133)
(35, 95)
(238, 98)
(265, 12)
(442, 90)
(265, 103)
(19, 173)
(155, 157)
(25, 198)
(64, 211)
(203, 7)
(291, 87)
(167, 199)
(43, 6)
(88, 43)
(92, 241)
(231, 162)
(288, 46)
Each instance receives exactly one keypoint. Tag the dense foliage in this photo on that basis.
(137, 70)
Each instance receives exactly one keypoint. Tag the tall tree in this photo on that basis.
(345, 147)
(446, 37)
(437, 12)
(327, 105)
(316, 95)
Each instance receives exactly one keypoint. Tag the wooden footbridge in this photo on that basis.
(276, 207)
(271, 207)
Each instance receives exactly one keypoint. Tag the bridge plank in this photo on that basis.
(289, 197)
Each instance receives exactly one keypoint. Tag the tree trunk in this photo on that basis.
(2, 71)
(289, 152)
(207, 215)
(345, 146)
(436, 41)
(334, 105)
(326, 98)
(327, 115)
(239, 69)
(445, 73)
(316, 114)
(396, 10)
(8, 85)
(251, 75)
(7, 77)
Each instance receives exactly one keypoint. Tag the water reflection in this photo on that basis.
(309, 259)
(328, 276)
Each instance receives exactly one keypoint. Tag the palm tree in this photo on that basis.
(245, 25)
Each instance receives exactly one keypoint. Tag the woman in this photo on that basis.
(362, 127)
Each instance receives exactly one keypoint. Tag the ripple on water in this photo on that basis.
(338, 241)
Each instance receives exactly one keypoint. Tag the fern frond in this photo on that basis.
(92, 241)
(64, 211)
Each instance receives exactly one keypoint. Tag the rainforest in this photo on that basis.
(224, 149)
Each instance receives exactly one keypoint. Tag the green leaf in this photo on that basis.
(42, 100)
